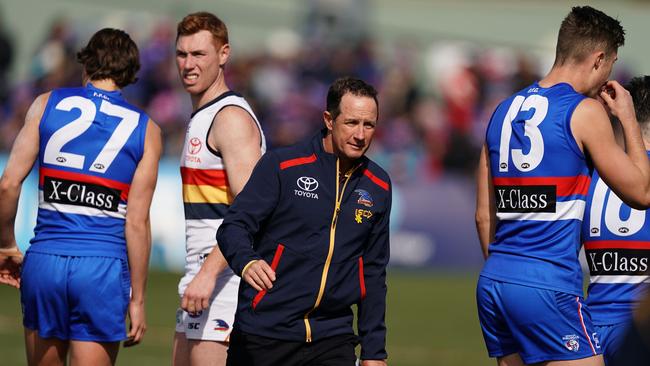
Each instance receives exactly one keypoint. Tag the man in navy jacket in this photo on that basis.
(309, 236)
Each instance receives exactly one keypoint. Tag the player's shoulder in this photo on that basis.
(505, 104)
(234, 115)
(588, 109)
(153, 127)
(42, 99)
(217, 104)
(589, 122)
(228, 110)
(232, 96)
(133, 107)
(37, 108)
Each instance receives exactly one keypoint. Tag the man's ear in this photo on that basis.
(329, 121)
(224, 54)
(599, 59)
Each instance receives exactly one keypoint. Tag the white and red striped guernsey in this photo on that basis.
(541, 180)
(206, 192)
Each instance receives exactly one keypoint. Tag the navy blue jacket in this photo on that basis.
(326, 256)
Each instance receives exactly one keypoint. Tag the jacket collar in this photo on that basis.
(319, 149)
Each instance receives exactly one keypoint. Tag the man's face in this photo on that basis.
(354, 127)
(199, 59)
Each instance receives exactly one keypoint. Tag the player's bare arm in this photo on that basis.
(240, 147)
(627, 171)
(485, 209)
(236, 136)
(138, 229)
(21, 160)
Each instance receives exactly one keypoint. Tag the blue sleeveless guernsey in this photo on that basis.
(541, 179)
(91, 142)
(617, 245)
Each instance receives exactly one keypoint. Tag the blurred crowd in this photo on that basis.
(435, 99)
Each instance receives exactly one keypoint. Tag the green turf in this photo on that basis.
(431, 321)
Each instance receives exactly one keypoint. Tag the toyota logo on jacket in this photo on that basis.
(329, 249)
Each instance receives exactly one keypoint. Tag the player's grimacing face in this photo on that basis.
(353, 129)
(199, 59)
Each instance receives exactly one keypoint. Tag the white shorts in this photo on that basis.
(214, 323)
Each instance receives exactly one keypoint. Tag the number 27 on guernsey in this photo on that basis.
(128, 122)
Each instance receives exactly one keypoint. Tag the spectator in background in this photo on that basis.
(51, 65)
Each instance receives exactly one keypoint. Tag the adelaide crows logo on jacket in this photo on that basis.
(364, 198)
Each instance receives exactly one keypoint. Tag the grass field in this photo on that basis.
(431, 321)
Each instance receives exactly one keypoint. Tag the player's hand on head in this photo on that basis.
(618, 101)
(197, 294)
(11, 261)
(137, 324)
(259, 275)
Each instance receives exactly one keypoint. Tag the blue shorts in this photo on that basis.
(538, 324)
(75, 298)
(610, 338)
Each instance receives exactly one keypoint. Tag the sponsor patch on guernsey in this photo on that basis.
(56, 190)
(525, 198)
(616, 262)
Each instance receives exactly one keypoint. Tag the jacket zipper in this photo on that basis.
(323, 280)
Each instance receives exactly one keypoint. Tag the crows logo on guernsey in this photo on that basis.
(221, 325)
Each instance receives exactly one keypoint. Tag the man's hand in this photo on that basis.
(259, 275)
(11, 261)
(373, 363)
(198, 292)
(137, 325)
(618, 101)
